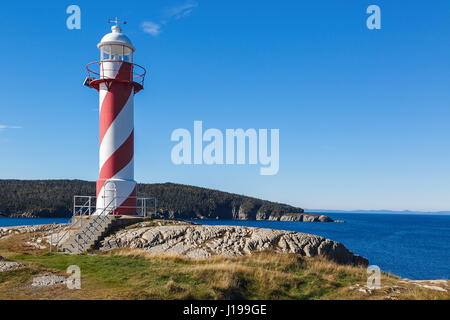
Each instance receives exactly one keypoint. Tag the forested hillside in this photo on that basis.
(53, 198)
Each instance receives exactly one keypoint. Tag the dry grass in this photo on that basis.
(16, 243)
(286, 276)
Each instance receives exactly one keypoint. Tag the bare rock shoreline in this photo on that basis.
(201, 241)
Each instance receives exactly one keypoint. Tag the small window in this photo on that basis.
(105, 53)
(116, 52)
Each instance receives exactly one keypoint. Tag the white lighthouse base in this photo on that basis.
(118, 196)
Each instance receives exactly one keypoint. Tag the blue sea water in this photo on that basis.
(411, 246)
(9, 222)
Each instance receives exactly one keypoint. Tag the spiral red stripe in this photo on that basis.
(119, 159)
(116, 177)
(128, 204)
(114, 100)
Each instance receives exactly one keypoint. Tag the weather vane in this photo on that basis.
(116, 21)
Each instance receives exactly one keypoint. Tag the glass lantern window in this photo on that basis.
(105, 53)
(116, 52)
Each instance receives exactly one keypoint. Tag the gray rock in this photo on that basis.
(303, 217)
(45, 228)
(9, 265)
(297, 217)
(48, 280)
(198, 254)
(200, 242)
(323, 218)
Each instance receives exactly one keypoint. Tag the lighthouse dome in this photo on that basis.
(116, 37)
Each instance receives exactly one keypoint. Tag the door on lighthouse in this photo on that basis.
(110, 197)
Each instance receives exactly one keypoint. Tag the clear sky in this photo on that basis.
(364, 115)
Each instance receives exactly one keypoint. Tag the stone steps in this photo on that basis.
(92, 230)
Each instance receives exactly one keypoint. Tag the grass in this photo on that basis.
(134, 274)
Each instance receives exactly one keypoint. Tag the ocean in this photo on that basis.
(411, 246)
(10, 222)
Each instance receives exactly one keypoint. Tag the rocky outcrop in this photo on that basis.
(240, 213)
(40, 234)
(46, 228)
(247, 212)
(305, 218)
(48, 280)
(199, 242)
(9, 265)
(403, 286)
(437, 285)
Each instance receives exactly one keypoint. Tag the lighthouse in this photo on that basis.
(117, 79)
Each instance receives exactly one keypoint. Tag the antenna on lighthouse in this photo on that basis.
(116, 21)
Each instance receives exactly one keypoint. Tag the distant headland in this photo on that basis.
(53, 198)
(379, 211)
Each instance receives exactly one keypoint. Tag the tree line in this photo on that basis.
(54, 198)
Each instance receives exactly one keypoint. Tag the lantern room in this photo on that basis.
(116, 46)
(115, 63)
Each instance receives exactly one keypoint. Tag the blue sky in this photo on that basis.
(363, 114)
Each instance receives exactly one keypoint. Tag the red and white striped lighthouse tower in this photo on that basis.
(117, 79)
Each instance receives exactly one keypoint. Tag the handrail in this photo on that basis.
(88, 205)
(137, 76)
(93, 223)
(70, 227)
(83, 209)
(86, 234)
